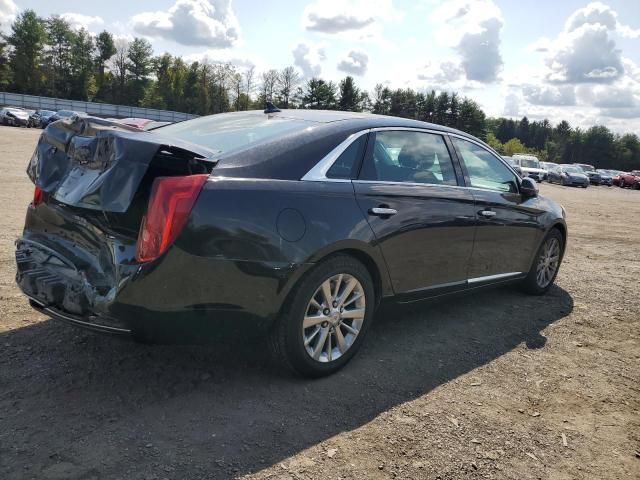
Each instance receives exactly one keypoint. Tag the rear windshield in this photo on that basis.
(225, 132)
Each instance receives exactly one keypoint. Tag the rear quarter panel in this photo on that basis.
(248, 241)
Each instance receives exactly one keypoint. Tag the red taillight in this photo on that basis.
(38, 196)
(170, 204)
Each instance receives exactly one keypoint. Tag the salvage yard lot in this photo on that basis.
(492, 385)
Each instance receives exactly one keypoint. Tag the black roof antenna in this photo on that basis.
(270, 108)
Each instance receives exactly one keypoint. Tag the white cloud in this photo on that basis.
(585, 51)
(192, 22)
(356, 20)
(549, 95)
(543, 44)
(443, 74)
(355, 63)
(8, 12)
(511, 106)
(472, 28)
(78, 20)
(585, 54)
(597, 13)
(308, 59)
(240, 60)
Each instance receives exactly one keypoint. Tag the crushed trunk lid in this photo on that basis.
(90, 163)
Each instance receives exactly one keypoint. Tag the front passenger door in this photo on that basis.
(508, 227)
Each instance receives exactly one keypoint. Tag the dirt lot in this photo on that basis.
(494, 385)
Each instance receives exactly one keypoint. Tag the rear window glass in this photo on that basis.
(347, 163)
(225, 132)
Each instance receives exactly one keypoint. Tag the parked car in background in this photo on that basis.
(14, 117)
(569, 175)
(40, 118)
(293, 225)
(590, 171)
(631, 179)
(606, 177)
(530, 166)
(514, 165)
(136, 122)
(62, 114)
(548, 165)
(616, 177)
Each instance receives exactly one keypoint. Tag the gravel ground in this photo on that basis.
(492, 385)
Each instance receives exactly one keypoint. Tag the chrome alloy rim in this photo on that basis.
(333, 318)
(548, 263)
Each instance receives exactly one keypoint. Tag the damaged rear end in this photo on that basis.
(108, 202)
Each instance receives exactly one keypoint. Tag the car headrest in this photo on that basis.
(412, 156)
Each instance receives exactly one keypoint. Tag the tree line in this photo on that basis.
(46, 56)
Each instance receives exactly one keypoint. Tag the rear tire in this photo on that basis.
(536, 283)
(310, 350)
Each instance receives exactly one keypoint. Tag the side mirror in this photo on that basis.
(528, 188)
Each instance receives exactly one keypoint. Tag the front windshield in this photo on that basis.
(529, 163)
(571, 170)
(225, 132)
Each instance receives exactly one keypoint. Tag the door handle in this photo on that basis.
(488, 213)
(383, 211)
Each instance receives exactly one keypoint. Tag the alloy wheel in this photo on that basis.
(548, 262)
(333, 318)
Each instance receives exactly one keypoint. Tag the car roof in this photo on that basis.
(291, 156)
(363, 118)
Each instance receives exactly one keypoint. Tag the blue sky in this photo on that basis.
(570, 59)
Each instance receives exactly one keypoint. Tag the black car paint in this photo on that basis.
(252, 235)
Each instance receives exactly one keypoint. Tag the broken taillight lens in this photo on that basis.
(38, 196)
(170, 204)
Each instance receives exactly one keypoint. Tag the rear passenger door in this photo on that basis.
(508, 224)
(408, 189)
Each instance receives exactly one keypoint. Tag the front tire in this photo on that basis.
(545, 265)
(324, 322)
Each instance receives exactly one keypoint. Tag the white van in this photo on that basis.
(530, 166)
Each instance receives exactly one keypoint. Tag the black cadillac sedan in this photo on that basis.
(294, 223)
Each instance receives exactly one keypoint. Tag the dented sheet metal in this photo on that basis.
(96, 164)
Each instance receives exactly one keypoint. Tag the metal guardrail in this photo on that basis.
(92, 108)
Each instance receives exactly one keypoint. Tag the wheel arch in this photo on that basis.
(562, 228)
(366, 254)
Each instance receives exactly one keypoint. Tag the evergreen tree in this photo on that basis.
(58, 56)
(82, 81)
(27, 40)
(139, 56)
(5, 68)
(349, 95)
(106, 49)
(319, 94)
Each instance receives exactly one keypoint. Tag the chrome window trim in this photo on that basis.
(489, 278)
(319, 172)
